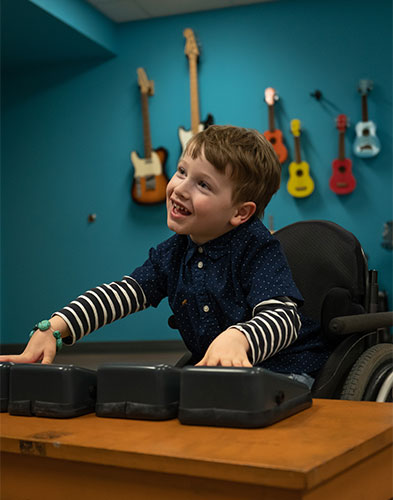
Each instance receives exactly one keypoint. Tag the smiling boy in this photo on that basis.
(225, 276)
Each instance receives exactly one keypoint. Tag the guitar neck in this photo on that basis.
(298, 157)
(146, 125)
(364, 108)
(341, 145)
(272, 127)
(194, 94)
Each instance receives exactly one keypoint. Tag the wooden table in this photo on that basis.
(333, 450)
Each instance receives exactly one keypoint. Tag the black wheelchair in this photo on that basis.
(331, 271)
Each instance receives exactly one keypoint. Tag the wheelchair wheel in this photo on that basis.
(371, 377)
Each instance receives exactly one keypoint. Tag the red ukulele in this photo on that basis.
(342, 181)
(274, 135)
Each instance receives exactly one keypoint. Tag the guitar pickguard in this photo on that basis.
(144, 167)
(185, 135)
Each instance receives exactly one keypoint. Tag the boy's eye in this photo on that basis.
(204, 185)
(181, 170)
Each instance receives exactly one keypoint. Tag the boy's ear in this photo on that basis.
(244, 211)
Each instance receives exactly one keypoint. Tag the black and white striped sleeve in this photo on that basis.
(102, 305)
(274, 326)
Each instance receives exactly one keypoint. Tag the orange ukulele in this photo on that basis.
(342, 180)
(192, 52)
(149, 185)
(300, 184)
(274, 135)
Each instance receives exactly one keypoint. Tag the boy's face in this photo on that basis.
(199, 200)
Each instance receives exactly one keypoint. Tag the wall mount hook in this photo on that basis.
(317, 94)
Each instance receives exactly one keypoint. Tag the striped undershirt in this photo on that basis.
(274, 326)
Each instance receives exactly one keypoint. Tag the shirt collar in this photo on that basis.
(216, 248)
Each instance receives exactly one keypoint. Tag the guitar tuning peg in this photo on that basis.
(317, 94)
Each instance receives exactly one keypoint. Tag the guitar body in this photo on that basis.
(366, 143)
(276, 139)
(342, 180)
(150, 181)
(185, 135)
(300, 183)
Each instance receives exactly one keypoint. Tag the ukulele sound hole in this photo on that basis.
(366, 132)
(299, 173)
(342, 169)
(273, 140)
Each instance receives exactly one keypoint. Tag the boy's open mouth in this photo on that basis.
(179, 209)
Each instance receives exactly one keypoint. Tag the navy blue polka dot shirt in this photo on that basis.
(218, 284)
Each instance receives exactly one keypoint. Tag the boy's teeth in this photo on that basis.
(181, 209)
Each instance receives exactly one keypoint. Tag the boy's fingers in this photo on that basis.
(9, 359)
(48, 356)
(47, 360)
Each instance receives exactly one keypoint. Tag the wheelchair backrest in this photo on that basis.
(322, 255)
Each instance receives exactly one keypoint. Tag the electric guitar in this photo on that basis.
(342, 180)
(274, 135)
(192, 52)
(149, 183)
(366, 143)
(300, 184)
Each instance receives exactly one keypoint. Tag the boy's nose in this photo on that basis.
(181, 189)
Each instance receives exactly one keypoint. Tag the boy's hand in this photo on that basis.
(41, 346)
(228, 349)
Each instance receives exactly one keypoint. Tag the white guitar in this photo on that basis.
(149, 184)
(192, 52)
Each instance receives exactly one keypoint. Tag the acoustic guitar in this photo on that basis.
(150, 180)
(300, 183)
(192, 52)
(366, 143)
(274, 135)
(342, 180)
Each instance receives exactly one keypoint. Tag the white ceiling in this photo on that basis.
(122, 11)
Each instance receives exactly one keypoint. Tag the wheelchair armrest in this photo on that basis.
(359, 323)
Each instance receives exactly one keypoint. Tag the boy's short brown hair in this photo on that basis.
(255, 168)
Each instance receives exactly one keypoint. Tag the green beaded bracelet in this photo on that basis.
(45, 325)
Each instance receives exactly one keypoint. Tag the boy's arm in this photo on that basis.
(92, 310)
(102, 305)
(274, 326)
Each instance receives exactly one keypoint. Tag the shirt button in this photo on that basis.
(200, 264)
(206, 309)
(200, 249)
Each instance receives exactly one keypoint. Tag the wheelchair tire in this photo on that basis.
(368, 374)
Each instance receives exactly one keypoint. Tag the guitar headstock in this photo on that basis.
(365, 86)
(191, 48)
(270, 96)
(146, 86)
(295, 127)
(342, 122)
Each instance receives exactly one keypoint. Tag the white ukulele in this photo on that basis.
(192, 52)
(366, 143)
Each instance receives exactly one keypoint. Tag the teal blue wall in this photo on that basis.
(68, 128)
